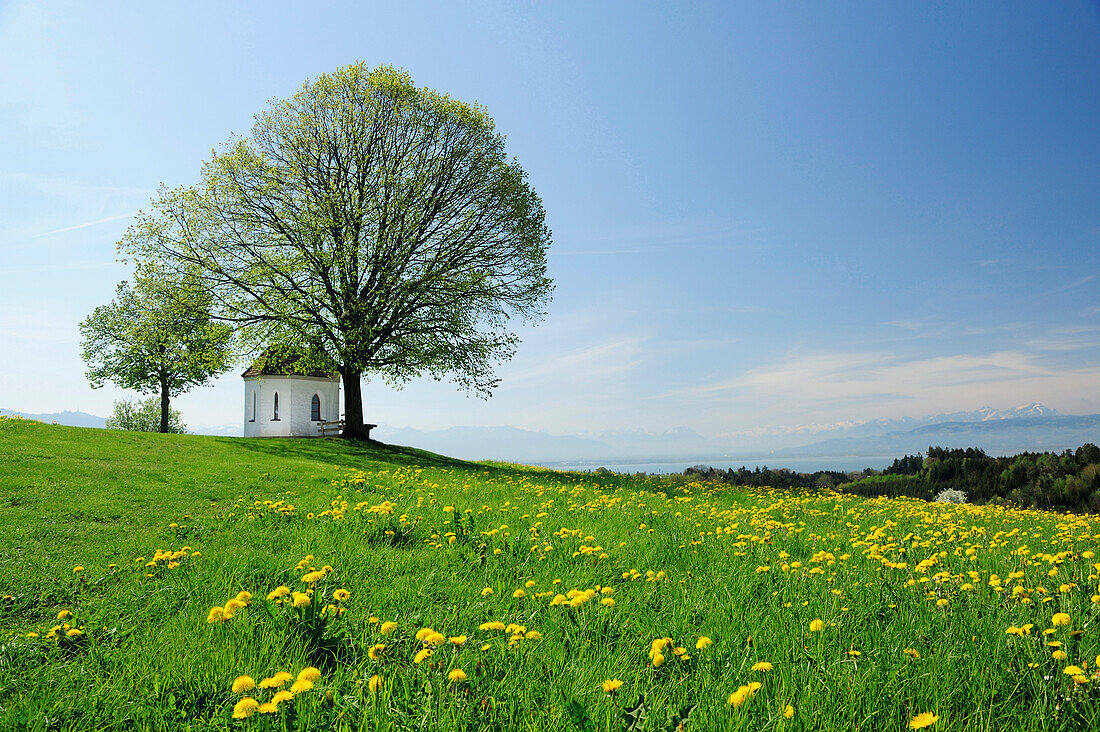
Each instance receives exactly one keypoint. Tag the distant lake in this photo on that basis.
(797, 464)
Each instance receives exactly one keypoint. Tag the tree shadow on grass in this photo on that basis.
(338, 451)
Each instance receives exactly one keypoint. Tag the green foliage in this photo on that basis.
(1069, 481)
(143, 416)
(679, 721)
(579, 716)
(377, 225)
(634, 718)
(155, 337)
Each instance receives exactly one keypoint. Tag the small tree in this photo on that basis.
(144, 416)
(377, 225)
(155, 337)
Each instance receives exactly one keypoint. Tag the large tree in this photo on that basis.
(375, 224)
(156, 336)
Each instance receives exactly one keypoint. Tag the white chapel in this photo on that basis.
(282, 400)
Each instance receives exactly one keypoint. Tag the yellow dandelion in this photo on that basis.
(268, 708)
(762, 666)
(282, 696)
(1060, 619)
(278, 592)
(1073, 671)
(816, 625)
(925, 719)
(301, 599)
(702, 643)
(912, 652)
(341, 595)
(457, 640)
(309, 673)
(301, 686)
(216, 614)
(387, 627)
(245, 707)
(611, 686)
(242, 684)
(487, 591)
(456, 675)
(788, 711)
(374, 684)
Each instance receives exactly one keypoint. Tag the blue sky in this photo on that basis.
(765, 215)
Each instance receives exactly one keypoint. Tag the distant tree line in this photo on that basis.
(773, 477)
(1067, 481)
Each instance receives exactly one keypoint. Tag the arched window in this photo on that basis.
(315, 408)
(276, 417)
(253, 407)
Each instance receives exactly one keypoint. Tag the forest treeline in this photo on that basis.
(1067, 481)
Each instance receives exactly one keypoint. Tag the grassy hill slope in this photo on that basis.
(163, 582)
(75, 496)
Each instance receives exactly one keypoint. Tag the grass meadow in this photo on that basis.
(182, 582)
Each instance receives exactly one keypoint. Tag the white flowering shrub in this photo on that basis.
(951, 495)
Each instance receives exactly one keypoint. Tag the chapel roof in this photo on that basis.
(284, 363)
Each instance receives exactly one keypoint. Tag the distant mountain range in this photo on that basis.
(83, 419)
(999, 437)
(67, 418)
(1032, 427)
(997, 431)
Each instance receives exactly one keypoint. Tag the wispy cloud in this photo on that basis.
(586, 364)
(879, 384)
(85, 225)
(1077, 338)
(1075, 284)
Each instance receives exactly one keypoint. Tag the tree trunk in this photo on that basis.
(163, 405)
(353, 405)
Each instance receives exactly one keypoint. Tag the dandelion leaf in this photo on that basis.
(634, 718)
(678, 722)
(580, 717)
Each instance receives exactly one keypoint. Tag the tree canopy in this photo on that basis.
(155, 337)
(378, 225)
